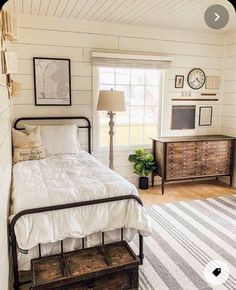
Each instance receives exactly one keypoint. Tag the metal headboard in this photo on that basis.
(87, 126)
(2, 4)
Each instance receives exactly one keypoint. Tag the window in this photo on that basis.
(142, 89)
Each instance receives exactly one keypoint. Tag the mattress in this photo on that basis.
(72, 178)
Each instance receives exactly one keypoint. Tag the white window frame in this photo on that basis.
(163, 96)
(96, 118)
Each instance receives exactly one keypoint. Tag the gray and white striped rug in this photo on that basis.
(186, 237)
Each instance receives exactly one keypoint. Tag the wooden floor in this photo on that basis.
(185, 191)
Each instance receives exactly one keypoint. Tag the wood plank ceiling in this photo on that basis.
(169, 14)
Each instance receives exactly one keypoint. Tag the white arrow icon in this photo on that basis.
(217, 17)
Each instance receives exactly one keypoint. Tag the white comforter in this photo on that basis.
(65, 179)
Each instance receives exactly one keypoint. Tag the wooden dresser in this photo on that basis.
(180, 158)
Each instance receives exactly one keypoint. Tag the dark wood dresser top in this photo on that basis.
(194, 138)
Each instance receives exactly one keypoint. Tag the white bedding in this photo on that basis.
(72, 178)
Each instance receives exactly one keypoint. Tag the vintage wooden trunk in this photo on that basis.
(109, 267)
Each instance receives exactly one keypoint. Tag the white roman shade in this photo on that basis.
(147, 61)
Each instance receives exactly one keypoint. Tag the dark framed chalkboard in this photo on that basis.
(183, 117)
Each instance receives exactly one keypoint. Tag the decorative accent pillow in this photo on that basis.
(31, 153)
(31, 138)
(58, 139)
(27, 146)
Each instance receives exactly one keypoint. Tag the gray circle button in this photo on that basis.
(216, 16)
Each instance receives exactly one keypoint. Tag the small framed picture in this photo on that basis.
(52, 81)
(213, 82)
(205, 116)
(179, 82)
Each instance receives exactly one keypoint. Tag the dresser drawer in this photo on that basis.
(178, 152)
(182, 146)
(215, 167)
(223, 168)
(209, 145)
(224, 153)
(185, 169)
(174, 174)
(217, 154)
(225, 144)
(209, 155)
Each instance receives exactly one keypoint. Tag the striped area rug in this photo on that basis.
(186, 237)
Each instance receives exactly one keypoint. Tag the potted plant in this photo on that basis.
(143, 165)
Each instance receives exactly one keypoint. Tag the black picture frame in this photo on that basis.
(179, 81)
(200, 122)
(51, 101)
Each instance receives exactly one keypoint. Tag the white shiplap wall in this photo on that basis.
(5, 178)
(50, 37)
(229, 100)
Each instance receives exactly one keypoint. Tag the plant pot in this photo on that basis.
(143, 182)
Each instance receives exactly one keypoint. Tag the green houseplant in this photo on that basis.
(144, 164)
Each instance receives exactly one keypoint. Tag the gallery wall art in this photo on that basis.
(52, 82)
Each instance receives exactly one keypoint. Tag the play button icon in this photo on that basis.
(216, 16)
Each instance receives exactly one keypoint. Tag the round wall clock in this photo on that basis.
(196, 78)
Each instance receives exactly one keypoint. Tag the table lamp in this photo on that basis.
(111, 101)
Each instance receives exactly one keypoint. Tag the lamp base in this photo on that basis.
(111, 133)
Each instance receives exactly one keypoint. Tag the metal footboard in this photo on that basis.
(17, 282)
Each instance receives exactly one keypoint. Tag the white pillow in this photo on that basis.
(61, 139)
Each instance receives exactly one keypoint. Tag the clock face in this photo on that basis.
(196, 78)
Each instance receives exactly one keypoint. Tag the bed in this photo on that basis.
(70, 201)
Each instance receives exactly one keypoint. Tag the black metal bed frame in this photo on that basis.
(17, 283)
(88, 126)
(2, 3)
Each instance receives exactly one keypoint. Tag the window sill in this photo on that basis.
(122, 148)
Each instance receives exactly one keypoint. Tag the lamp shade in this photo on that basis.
(111, 101)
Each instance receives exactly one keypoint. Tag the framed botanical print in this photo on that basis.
(179, 82)
(52, 81)
(205, 116)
